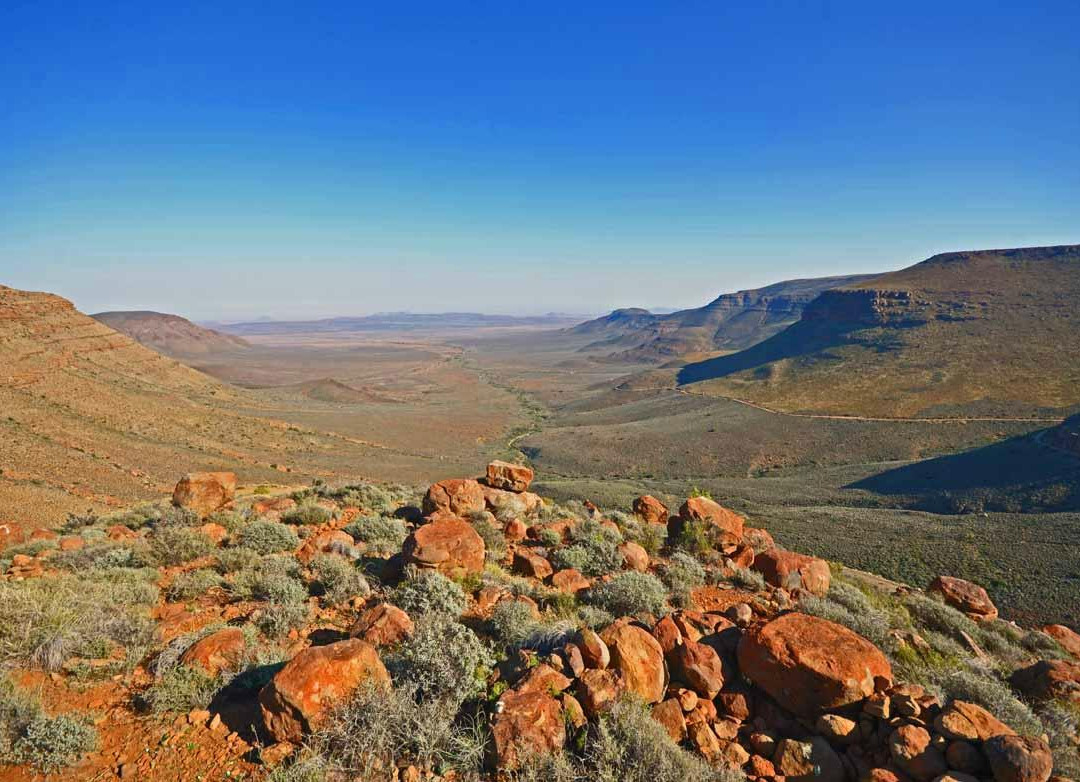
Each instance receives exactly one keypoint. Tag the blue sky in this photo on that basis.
(231, 160)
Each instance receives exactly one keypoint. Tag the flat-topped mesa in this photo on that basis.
(867, 307)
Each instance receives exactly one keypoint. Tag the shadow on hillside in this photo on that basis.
(1016, 475)
(799, 339)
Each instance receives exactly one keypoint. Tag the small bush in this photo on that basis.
(192, 584)
(50, 743)
(231, 560)
(338, 579)
(268, 583)
(693, 538)
(277, 619)
(268, 537)
(177, 545)
(173, 516)
(231, 520)
(594, 617)
(933, 614)
(993, 695)
(102, 555)
(682, 574)
(494, 541)
(308, 513)
(594, 550)
(550, 538)
(428, 592)
(512, 621)
(630, 594)
(381, 535)
(443, 659)
(180, 689)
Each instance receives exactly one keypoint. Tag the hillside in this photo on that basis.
(732, 321)
(170, 334)
(989, 333)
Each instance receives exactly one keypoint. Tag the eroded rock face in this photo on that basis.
(723, 527)
(811, 665)
(382, 625)
(450, 545)
(219, 651)
(300, 693)
(459, 496)
(1019, 759)
(205, 492)
(789, 570)
(509, 477)
(597, 690)
(965, 596)
(530, 722)
(639, 658)
(651, 510)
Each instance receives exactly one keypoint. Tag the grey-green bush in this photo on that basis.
(192, 584)
(630, 594)
(176, 545)
(308, 513)
(443, 659)
(682, 574)
(338, 578)
(268, 537)
(380, 534)
(428, 592)
(50, 743)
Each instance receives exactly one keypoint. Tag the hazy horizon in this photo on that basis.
(232, 163)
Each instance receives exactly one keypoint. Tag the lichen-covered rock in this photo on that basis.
(965, 596)
(638, 657)
(509, 477)
(382, 625)
(220, 651)
(789, 570)
(811, 665)
(529, 722)
(301, 692)
(459, 496)
(205, 492)
(450, 545)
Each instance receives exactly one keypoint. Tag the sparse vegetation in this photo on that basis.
(443, 660)
(630, 594)
(192, 584)
(268, 537)
(307, 513)
(338, 579)
(381, 535)
(428, 592)
(175, 545)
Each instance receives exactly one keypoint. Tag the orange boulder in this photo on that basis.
(451, 546)
(205, 492)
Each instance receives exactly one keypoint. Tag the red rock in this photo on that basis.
(334, 540)
(670, 714)
(543, 678)
(837, 729)
(703, 711)
(515, 530)
(300, 693)
(215, 532)
(1049, 680)
(459, 496)
(594, 651)
(758, 766)
(789, 570)
(43, 534)
(758, 539)
(572, 711)
(120, 532)
(667, 634)
(220, 651)
(697, 666)
(571, 654)
(570, 581)
(965, 596)
(531, 564)
(810, 664)
(530, 722)
(273, 505)
(1066, 638)
(509, 477)
(962, 756)
(912, 751)
(723, 527)
(808, 760)
(1019, 759)
(734, 705)
(71, 543)
(205, 492)
(561, 528)
(962, 720)
(597, 690)
(500, 501)
(650, 510)
(382, 625)
(742, 557)
(638, 657)
(705, 742)
(878, 774)
(451, 546)
(634, 556)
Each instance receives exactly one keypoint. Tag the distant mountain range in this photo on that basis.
(170, 334)
(730, 322)
(394, 321)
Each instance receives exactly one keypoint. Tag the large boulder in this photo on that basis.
(722, 527)
(794, 571)
(1019, 759)
(205, 492)
(221, 650)
(1066, 638)
(698, 667)
(912, 750)
(529, 722)
(650, 510)
(301, 692)
(810, 665)
(457, 496)
(509, 477)
(598, 689)
(1049, 680)
(382, 625)
(638, 657)
(451, 546)
(965, 596)
(963, 721)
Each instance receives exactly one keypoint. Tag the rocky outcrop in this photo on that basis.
(450, 546)
(222, 650)
(456, 496)
(509, 477)
(791, 571)
(722, 527)
(382, 625)
(965, 596)
(205, 492)
(637, 656)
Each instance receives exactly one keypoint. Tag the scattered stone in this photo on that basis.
(837, 729)
(912, 751)
(515, 530)
(965, 596)
(1049, 680)
(330, 541)
(594, 651)
(669, 713)
(597, 690)
(570, 581)
(699, 667)
(634, 556)
(382, 625)
(216, 532)
(531, 564)
(205, 492)
(650, 510)
(808, 760)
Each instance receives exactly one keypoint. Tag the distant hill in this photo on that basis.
(170, 334)
(984, 333)
(394, 321)
(732, 321)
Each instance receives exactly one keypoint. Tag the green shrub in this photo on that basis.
(308, 513)
(268, 537)
(275, 620)
(192, 584)
(428, 592)
(380, 534)
(180, 689)
(50, 743)
(992, 694)
(18, 709)
(594, 617)
(443, 660)
(512, 621)
(682, 574)
(693, 538)
(232, 560)
(550, 538)
(494, 540)
(338, 578)
(933, 614)
(264, 582)
(172, 516)
(593, 550)
(231, 520)
(630, 594)
(102, 555)
(177, 545)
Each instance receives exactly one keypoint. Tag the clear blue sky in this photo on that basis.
(234, 159)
